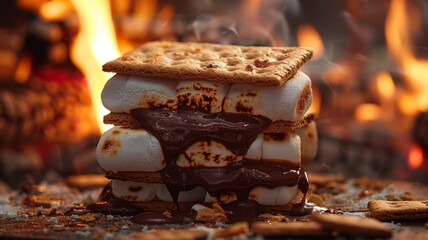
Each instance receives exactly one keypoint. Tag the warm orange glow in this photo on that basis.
(385, 85)
(95, 45)
(307, 36)
(368, 112)
(415, 157)
(316, 100)
(256, 24)
(250, 10)
(399, 40)
(23, 69)
(55, 10)
(164, 27)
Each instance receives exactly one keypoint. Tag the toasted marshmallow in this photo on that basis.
(127, 149)
(281, 148)
(255, 151)
(278, 196)
(123, 93)
(287, 102)
(203, 95)
(124, 149)
(144, 192)
(149, 94)
(113, 93)
(215, 154)
(272, 197)
(134, 191)
(207, 154)
(309, 138)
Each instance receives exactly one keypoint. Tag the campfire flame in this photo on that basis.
(401, 21)
(95, 45)
(400, 46)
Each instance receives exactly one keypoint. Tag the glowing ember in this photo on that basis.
(307, 36)
(385, 85)
(95, 45)
(55, 10)
(23, 69)
(415, 157)
(368, 112)
(399, 39)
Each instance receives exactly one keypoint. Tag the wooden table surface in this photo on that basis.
(350, 196)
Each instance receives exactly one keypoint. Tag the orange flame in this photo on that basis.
(307, 36)
(400, 45)
(95, 45)
(415, 157)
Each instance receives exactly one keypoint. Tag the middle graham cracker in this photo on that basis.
(269, 66)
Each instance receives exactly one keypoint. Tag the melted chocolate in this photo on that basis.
(239, 178)
(177, 130)
(158, 218)
(109, 204)
(240, 211)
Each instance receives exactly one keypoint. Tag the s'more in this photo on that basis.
(198, 123)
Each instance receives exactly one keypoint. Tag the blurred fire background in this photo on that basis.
(369, 72)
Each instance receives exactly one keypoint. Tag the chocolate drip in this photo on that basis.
(239, 178)
(109, 204)
(177, 130)
(158, 218)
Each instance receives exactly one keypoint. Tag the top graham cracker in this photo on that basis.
(212, 62)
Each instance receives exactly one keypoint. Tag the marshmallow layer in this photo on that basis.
(202, 95)
(287, 102)
(145, 192)
(123, 93)
(126, 149)
(309, 138)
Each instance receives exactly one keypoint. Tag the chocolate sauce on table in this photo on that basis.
(159, 218)
(109, 204)
(176, 130)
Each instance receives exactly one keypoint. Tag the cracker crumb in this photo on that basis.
(58, 227)
(236, 229)
(273, 218)
(11, 215)
(52, 221)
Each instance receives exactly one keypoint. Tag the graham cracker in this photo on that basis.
(212, 62)
(355, 226)
(289, 229)
(126, 120)
(147, 177)
(398, 210)
(167, 234)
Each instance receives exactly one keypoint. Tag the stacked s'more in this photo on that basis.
(198, 122)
